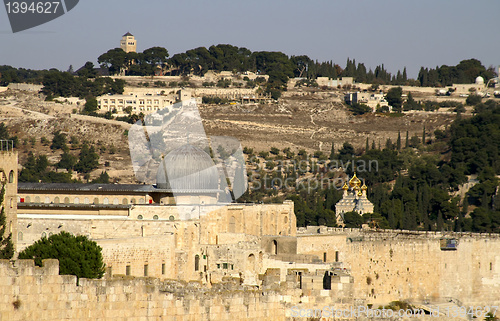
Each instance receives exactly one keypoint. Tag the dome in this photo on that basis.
(187, 168)
(479, 80)
(354, 181)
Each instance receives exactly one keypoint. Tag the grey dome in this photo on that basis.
(187, 168)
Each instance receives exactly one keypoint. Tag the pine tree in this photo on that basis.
(332, 153)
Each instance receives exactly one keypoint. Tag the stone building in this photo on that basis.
(353, 199)
(128, 43)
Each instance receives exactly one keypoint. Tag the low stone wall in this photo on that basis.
(28, 292)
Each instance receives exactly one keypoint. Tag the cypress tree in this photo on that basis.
(398, 142)
(407, 143)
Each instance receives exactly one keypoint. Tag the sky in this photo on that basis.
(396, 33)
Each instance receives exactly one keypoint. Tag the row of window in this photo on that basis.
(86, 200)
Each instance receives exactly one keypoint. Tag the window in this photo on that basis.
(128, 270)
(20, 236)
(11, 177)
(132, 201)
(336, 256)
(155, 217)
(232, 225)
(96, 200)
(47, 200)
(86, 200)
(27, 199)
(124, 201)
(146, 268)
(224, 266)
(140, 217)
(37, 199)
(196, 262)
(66, 200)
(56, 200)
(171, 218)
(163, 268)
(76, 200)
(324, 257)
(44, 235)
(105, 201)
(116, 201)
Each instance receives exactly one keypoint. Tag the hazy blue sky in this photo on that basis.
(396, 33)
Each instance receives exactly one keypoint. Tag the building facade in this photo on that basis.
(128, 43)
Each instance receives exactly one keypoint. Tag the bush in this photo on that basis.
(473, 100)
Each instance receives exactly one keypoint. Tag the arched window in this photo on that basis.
(285, 220)
(66, 200)
(37, 199)
(196, 262)
(141, 200)
(124, 201)
(44, 235)
(76, 200)
(275, 247)
(232, 225)
(27, 199)
(105, 201)
(96, 200)
(20, 236)
(251, 262)
(11, 177)
(155, 217)
(56, 200)
(11, 203)
(132, 201)
(86, 200)
(140, 217)
(116, 201)
(47, 200)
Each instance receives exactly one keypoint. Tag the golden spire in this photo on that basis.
(364, 187)
(345, 187)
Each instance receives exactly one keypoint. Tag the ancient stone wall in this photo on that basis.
(399, 265)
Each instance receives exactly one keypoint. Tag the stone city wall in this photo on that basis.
(399, 265)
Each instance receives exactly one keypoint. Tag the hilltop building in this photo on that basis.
(128, 43)
(353, 199)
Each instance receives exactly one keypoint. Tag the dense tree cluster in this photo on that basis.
(463, 73)
(64, 84)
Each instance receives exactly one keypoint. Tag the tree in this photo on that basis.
(398, 142)
(90, 106)
(353, 220)
(473, 100)
(58, 141)
(87, 71)
(6, 245)
(67, 161)
(88, 160)
(77, 255)
(102, 179)
(359, 109)
(394, 98)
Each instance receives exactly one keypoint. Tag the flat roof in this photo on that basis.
(107, 188)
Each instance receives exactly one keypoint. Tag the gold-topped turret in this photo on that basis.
(345, 187)
(364, 187)
(354, 181)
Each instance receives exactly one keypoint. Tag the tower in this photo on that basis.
(8, 180)
(128, 43)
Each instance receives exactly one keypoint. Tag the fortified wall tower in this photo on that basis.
(8, 179)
